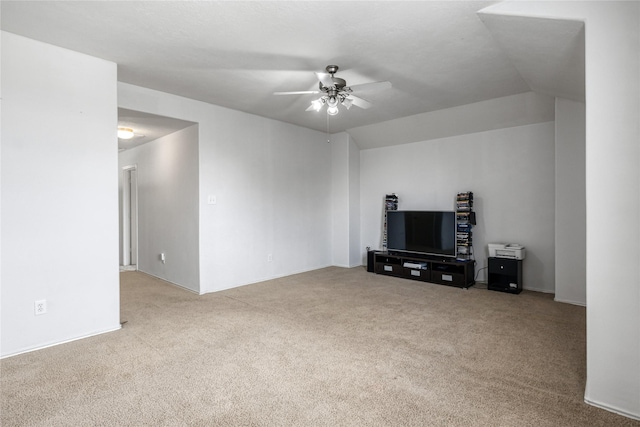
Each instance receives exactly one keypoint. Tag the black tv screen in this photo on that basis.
(424, 232)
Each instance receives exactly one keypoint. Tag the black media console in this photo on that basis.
(434, 269)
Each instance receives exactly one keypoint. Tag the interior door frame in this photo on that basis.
(130, 215)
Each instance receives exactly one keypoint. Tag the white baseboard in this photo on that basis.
(566, 301)
(612, 409)
(266, 278)
(29, 350)
(544, 291)
(170, 282)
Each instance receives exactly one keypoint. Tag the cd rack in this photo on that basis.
(390, 204)
(465, 220)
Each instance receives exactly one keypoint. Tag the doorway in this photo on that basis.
(130, 218)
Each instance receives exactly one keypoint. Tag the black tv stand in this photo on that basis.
(426, 268)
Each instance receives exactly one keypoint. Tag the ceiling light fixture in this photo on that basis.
(125, 133)
(334, 91)
(332, 105)
(317, 104)
(332, 111)
(332, 102)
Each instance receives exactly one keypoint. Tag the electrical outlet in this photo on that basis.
(269, 258)
(40, 307)
(163, 258)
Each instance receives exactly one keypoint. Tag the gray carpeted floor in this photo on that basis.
(332, 347)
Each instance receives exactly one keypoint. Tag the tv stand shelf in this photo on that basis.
(431, 269)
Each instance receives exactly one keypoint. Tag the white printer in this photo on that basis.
(506, 250)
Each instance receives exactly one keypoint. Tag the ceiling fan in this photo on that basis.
(335, 92)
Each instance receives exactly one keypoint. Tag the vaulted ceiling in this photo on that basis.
(436, 54)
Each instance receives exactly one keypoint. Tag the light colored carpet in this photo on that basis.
(332, 347)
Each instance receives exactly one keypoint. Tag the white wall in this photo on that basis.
(613, 191)
(340, 223)
(508, 111)
(59, 195)
(167, 171)
(355, 250)
(571, 220)
(612, 43)
(510, 171)
(272, 183)
(1, 35)
(345, 194)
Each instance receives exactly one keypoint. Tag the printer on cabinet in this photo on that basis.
(506, 250)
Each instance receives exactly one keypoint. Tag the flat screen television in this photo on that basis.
(422, 232)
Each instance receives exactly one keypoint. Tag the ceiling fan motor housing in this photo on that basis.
(338, 83)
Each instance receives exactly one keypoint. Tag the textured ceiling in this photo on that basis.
(147, 127)
(548, 53)
(436, 54)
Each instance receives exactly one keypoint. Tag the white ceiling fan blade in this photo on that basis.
(371, 86)
(325, 79)
(299, 92)
(359, 102)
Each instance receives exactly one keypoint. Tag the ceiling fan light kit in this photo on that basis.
(316, 105)
(336, 92)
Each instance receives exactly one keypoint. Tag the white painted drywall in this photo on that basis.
(167, 171)
(272, 183)
(345, 196)
(571, 220)
(59, 195)
(1, 134)
(514, 110)
(340, 199)
(613, 206)
(612, 44)
(510, 171)
(355, 250)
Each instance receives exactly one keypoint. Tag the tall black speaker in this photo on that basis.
(371, 261)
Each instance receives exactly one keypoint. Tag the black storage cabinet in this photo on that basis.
(505, 275)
